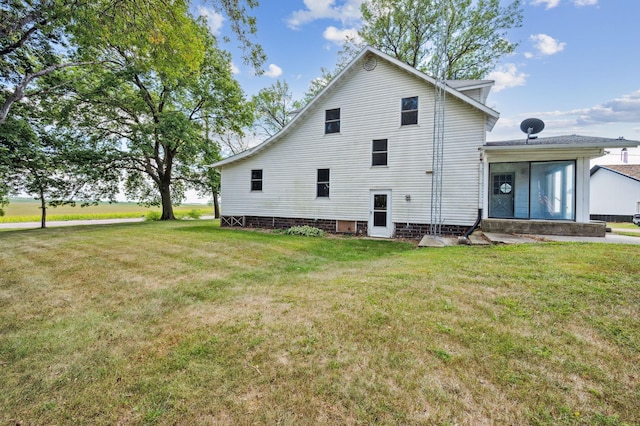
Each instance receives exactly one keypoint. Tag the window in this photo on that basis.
(256, 180)
(502, 184)
(379, 152)
(380, 210)
(409, 111)
(323, 183)
(332, 121)
(552, 193)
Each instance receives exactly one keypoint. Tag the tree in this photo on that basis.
(474, 33)
(55, 171)
(273, 106)
(152, 107)
(42, 37)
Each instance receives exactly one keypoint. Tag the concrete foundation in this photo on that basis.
(544, 227)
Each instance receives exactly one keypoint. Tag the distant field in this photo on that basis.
(28, 210)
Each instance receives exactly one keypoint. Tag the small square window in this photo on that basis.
(409, 111)
(256, 180)
(332, 121)
(323, 183)
(379, 152)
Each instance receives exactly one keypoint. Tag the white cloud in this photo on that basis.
(214, 19)
(341, 36)
(506, 77)
(348, 11)
(234, 69)
(550, 3)
(274, 71)
(621, 110)
(547, 45)
(613, 118)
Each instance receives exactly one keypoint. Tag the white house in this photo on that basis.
(358, 158)
(615, 192)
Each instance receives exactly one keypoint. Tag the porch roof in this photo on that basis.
(560, 142)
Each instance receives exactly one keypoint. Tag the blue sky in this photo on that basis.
(577, 66)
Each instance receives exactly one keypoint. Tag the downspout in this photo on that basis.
(480, 197)
(475, 225)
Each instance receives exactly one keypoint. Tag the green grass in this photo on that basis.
(188, 323)
(622, 225)
(28, 210)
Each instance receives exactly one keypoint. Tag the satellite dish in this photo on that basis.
(531, 126)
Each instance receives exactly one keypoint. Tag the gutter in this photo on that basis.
(474, 226)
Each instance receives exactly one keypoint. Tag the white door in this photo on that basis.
(380, 214)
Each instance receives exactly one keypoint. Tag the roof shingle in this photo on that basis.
(631, 170)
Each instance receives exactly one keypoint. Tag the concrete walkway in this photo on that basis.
(523, 239)
(486, 238)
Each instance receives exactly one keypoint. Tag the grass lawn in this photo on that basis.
(187, 323)
(28, 210)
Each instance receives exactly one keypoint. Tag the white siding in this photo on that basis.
(614, 194)
(370, 109)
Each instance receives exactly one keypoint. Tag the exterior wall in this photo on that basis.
(474, 94)
(614, 195)
(582, 158)
(401, 230)
(370, 103)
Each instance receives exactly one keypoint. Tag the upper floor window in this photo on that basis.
(332, 121)
(256, 180)
(323, 183)
(409, 111)
(379, 152)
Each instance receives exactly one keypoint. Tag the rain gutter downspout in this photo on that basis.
(480, 197)
(475, 225)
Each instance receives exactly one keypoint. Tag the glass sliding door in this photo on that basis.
(552, 193)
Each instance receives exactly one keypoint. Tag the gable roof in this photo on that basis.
(631, 171)
(492, 115)
(469, 84)
(560, 142)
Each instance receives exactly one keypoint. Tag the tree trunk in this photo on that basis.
(167, 206)
(216, 205)
(43, 207)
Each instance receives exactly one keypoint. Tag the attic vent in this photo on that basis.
(370, 63)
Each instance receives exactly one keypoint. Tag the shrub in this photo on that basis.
(152, 216)
(194, 214)
(307, 231)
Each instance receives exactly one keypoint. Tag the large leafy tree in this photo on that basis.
(273, 107)
(32, 45)
(152, 106)
(143, 75)
(472, 33)
(41, 37)
(469, 35)
(36, 161)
